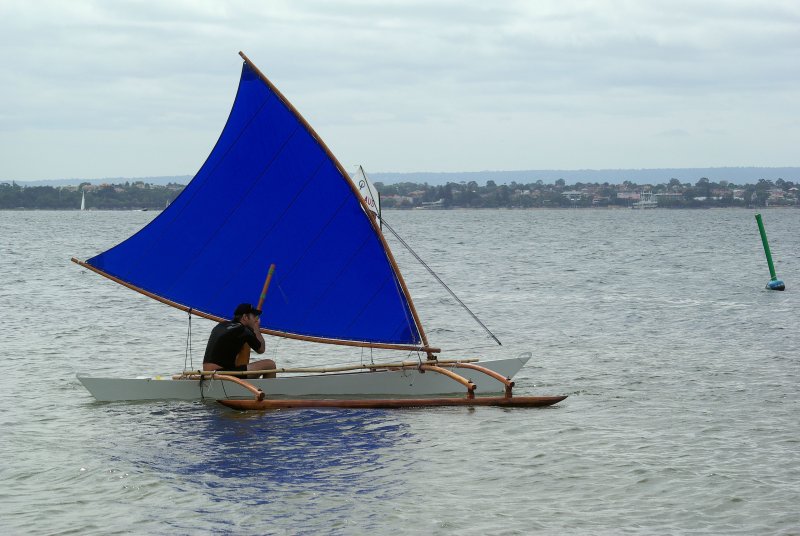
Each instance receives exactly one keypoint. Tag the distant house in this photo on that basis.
(776, 194)
(668, 197)
(396, 200)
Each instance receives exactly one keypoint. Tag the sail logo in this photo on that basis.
(367, 195)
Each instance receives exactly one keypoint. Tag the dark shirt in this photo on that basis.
(224, 343)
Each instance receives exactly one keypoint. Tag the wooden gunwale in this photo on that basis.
(321, 370)
(275, 333)
(367, 211)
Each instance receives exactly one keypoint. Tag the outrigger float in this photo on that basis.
(271, 193)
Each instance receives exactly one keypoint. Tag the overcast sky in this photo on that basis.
(94, 89)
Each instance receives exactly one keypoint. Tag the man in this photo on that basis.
(227, 339)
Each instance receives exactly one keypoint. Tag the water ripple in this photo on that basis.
(682, 374)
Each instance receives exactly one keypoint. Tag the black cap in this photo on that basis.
(245, 309)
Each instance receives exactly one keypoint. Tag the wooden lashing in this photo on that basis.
(450, 374)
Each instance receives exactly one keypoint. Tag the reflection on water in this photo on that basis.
(262, 452)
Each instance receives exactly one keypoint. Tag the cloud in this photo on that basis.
(405, 85)
(673, 133)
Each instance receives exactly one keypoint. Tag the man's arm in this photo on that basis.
(260, 345)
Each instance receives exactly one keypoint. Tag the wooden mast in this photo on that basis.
(426, 347)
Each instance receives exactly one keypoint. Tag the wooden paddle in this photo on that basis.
(243, 357)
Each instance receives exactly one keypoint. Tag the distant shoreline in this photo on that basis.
(450, 209)
(739, 175)
(704, 193)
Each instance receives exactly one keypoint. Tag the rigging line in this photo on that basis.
(188, 355)
(410, 322)
(371, 356)
(422, 262)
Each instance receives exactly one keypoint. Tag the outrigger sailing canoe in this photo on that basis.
(269, 193)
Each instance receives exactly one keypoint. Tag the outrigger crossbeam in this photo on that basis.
(259, 402)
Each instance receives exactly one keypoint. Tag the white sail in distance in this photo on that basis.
(369, 193)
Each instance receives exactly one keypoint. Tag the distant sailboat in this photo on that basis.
(83, 201)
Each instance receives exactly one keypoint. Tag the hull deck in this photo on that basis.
(408, 383)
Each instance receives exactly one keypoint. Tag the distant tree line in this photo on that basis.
(674, 194)
(127, 196)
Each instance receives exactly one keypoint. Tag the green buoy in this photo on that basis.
(774, 283)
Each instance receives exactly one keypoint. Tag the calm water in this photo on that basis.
(682, 374)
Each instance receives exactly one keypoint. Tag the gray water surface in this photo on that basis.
(682, 373)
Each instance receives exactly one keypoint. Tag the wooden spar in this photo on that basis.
(453, 376)
(499, 377)
(266, 287)
(321, 370)
(367, 212)
(394, 403)
(243, 357)
(274, 333)
(261, 403)
(257, 393)
(422, 368)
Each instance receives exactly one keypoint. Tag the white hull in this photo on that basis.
(396, 383)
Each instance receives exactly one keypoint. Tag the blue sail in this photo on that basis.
(271, 192)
